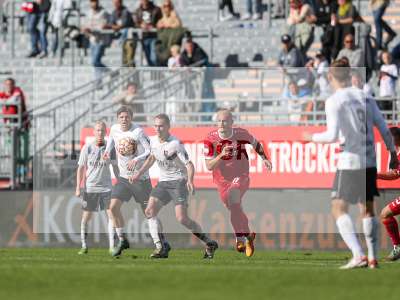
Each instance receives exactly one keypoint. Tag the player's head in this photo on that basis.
(225, 121)
(395, 131)
(124, 116)
(99, 130)
(162, 124)
(339, 74)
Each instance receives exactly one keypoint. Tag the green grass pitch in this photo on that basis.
(61, 274)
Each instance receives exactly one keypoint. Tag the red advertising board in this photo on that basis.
(295, 164)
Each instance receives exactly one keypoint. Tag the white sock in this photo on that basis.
(120, 233)
(348, 233)
(111, 233)
(83, 234)
(154, 228)
(370, 227)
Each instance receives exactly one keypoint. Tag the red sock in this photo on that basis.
(392, 229)
(239, 220)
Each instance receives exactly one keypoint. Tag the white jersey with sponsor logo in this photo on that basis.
(351, 117)
(142, 152)
(171, 157)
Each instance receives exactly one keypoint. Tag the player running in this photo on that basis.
(351, 117)
(175, 184)
(128, 164)
(227, 158)
(94, 173)
(391, 210)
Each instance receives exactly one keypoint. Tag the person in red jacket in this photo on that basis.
(12, 94)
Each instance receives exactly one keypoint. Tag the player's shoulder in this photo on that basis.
(241, 133)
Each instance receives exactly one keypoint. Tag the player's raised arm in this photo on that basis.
(390, 175)
(143, 139)
(332, 126)
(110, 145)
(380, 123)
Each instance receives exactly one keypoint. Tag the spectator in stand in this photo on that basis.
(127, 98)
(170, 18)
(97, 20)
(325, 11)
(193, 54)
(56, 17)
(278, 9)
(290, 56)
(378, 10)
(120, 20)
(11, 95)
(147, 17)
(321, 66)
(296, 101)
(387, 81)
(358, 81)
(221, 14)
(354, 54)
(343, 21)
(38, 36)
(301, 19)
(175, 60)
(253, 10)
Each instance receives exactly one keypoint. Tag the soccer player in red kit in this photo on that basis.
(393, 208)
(227, 158)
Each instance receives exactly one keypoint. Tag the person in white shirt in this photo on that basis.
(175, 60)
(387, 81)
(175, 184)
(128, 164)
(351, 118)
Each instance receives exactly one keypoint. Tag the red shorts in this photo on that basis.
(224, 188)
(395, 206)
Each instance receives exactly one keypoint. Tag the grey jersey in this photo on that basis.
(171, 157)
(98, 174)
(143, 149)
(351, 118)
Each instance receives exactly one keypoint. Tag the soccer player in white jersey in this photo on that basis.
(94, 173)
(351, 117)
(175, 184)
(128, 166)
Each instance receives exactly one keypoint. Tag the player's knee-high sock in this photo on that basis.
(370, 228)
(111, 233)
(120, 233)
(392, 229)
(348, 233)
(154, 228)
(239, 220)
(196, 229)
(83, 234)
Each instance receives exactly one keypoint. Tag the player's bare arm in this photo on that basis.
(390, 175)
(212, 163)
(80, 175)
(147, 165)
(259, 148)
(190, 171)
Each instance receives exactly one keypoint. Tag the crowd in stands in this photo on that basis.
(166, 42)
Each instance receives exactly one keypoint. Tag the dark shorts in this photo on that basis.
(175, 190)
(355, 186)
(139, 190)
(95, 201)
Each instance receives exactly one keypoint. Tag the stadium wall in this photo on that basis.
(283, 218)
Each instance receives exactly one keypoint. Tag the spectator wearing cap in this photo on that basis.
(300, 21)
(290, 56)
(354, 54)
(96, 21)
(193, 54)
(253, 10)
(146, 17)
(170, 18)
(38, 18)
